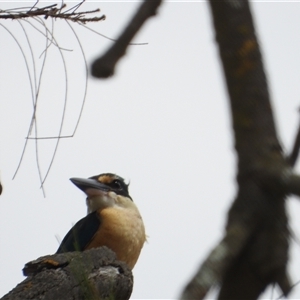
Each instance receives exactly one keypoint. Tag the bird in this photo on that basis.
(112, 220)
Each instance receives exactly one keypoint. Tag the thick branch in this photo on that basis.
(260, 258)
(253, 123)
(293, 184)
(104, 66)
(92, 274)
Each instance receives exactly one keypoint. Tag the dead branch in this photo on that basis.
(92, 274)
(52, 11)
(104, 66)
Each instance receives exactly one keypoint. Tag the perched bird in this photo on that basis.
(113, 219)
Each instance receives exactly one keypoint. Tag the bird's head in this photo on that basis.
(104, 190)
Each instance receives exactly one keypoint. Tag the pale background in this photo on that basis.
(161, 122)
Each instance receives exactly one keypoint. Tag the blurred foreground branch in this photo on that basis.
(254, 250)
(91, 274)
(293, 156)
(104, 66)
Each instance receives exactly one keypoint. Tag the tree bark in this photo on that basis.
(92, 274)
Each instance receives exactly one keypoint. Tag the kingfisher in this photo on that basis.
(112, 220)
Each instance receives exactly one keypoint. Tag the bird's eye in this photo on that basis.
(116, 184)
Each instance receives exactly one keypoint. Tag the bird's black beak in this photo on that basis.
(85, 184)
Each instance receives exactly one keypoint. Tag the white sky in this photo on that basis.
(162, 122)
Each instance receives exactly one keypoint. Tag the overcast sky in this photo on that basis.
(161, 122)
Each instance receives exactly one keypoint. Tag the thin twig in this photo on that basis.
(50, 137)
(38, 19)
(48, 42)
(52, 11)
(86, 79)
(75, 7)
(35, 101)
(111, 39)
(63, 114)
(30, 83)
(34, 5)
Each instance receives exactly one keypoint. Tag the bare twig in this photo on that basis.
(50, 137)
(35, 98)
(111, 39)
(52, 11)
(63, 113)
(32, 93)
(104, 66)
(64, 109)
(55, 12)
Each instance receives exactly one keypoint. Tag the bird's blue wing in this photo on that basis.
(80, 234)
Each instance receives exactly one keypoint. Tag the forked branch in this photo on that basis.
(259, 256)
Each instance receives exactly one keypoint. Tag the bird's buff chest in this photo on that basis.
(121, 230)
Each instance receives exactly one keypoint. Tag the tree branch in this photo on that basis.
(292, 158)
(260, 257)
(52, 11)
(104, 66)
(92, 274)
(292, 182)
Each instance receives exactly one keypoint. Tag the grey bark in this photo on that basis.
(92, 274)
